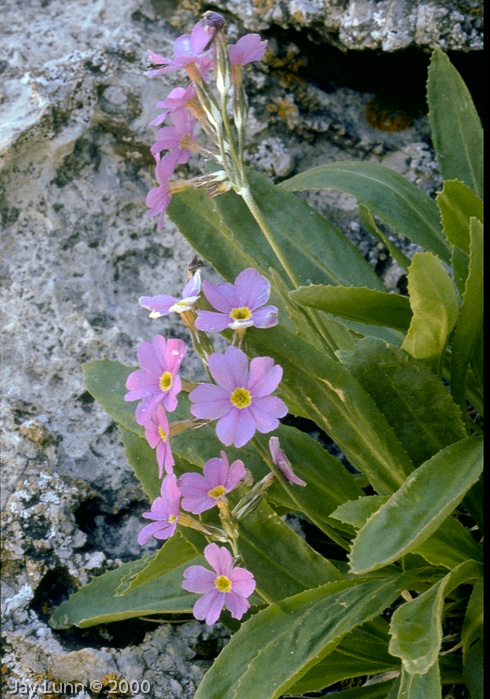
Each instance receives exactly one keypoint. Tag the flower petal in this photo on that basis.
(265, 317)
(210, 321)
(252, 289)
(198, 579)
(221, 296)
(236, 605)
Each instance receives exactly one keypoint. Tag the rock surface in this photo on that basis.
(78, 251)
(389, 25)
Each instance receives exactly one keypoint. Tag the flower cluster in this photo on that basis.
(239, 396)
(194, 105)
(240, 401)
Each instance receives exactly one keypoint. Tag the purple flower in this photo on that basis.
(176, 99)
(226, 587)
(170, 137)
(240, 305)
(157, 436)
(282, 462)
(162, 304)
(157, 381)
(158, 198)
(165, 512)
(188, 48)
(240, 400)
(247, 49)
(202, 492)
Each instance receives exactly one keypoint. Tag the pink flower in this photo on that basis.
(226, 587)
(165, 512)
(202, 492)
(188, 48)
(247, 49)
(176, 99)
(158, 380)
(170, 137)
(162, 304)
(240, 305)
(240, 400)
(157, 436)
(158, 198)
(282, 462)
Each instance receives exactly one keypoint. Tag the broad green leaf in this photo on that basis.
(359, 304)
(324, 391)
(175, 552)
(435, 308)
(458, 205)
(419, 507)
(143, 460)
(418, 686)
(387, 195)
(377, 690)
(456, 129)
(414, 401)
(459, 264)
(416, 626)
(96, 603)
(364, 651)
(450, 545)
(224, 232)
(357, 512)
(472, 629)
(293, 635)
(282, 562)
(470, 318)
(106, 382)
(473, 670)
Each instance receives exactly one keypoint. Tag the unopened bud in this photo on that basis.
(213, 20)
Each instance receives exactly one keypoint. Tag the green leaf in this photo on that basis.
(359, 304)
(106, 382)
(473, 670)
(458, 205)
(470, 318)
(472, 629)
(143, 460)
(450, 545)
(282, 562)
(324, 391)
(357, 512)
(419, 507)
(293, 635)
(416, 626)
(418, 686)
(435, 308)
(456, 129)
(414, 401)
(388, 195)
(175, 552)
(364, 651)
(96, 603)
(223, 231)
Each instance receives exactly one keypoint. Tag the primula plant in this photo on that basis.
(395, 381)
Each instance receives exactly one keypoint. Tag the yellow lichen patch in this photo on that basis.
(263, 6)
(284, 108)
(385, 118)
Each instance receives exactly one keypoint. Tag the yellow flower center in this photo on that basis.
(243, 313)
(217, 492)
(172, 518)
(166, 380)
(223, 583)
(162, 434)
(241, 398)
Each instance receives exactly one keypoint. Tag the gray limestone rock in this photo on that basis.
(389, 25)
